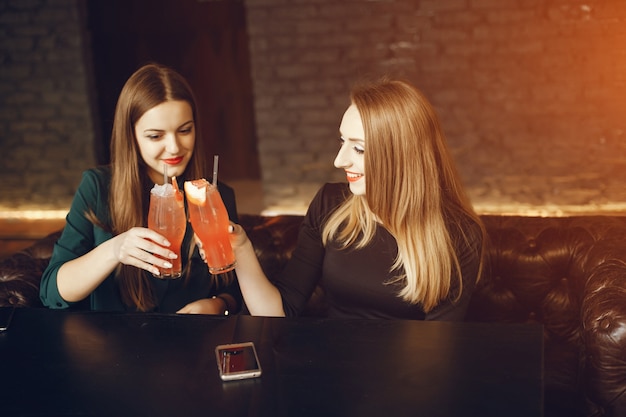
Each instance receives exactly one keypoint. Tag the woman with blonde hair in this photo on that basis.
(400, 240)
(105, 257)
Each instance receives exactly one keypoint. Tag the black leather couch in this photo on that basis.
(567, 273)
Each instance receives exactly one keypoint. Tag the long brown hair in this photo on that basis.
(148, 87)
(412, 189)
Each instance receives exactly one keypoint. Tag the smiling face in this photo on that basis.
(166, 136)
(351, 154)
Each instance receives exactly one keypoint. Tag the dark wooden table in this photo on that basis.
(55, 363)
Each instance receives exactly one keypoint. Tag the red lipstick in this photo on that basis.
(353, 176)
(173, 161)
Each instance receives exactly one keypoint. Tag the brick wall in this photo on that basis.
(532, 94)
(46, 127)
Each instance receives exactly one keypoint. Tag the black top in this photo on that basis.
(356, 281)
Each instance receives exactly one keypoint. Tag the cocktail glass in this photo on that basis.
(167, 217)
(209, 220)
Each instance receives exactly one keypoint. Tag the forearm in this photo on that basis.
(78, 278)
(260, 295)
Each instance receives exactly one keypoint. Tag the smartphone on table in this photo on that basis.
(237, 361)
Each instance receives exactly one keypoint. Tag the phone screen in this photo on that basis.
(237, 361)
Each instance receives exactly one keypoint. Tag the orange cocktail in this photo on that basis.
(210, 222)
(167, 217)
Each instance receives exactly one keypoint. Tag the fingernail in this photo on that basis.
(173, 255)
(167, 264)
(231, 228)
(166, 242)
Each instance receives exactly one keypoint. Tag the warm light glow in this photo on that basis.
(297, 209)
(287, 210)
(33, 214)
(548, 210)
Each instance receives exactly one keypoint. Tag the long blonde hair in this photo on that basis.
(412, 189)
(148, 87)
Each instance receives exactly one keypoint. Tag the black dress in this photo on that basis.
(355, 281)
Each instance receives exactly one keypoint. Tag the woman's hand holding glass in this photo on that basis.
(238, 239)
(143, 248)
(238, 236)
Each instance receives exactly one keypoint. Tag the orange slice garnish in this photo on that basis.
(175, 184)
(196, 191)
(177, 193)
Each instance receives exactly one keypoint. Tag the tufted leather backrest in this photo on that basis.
(20, 274)
(538, 268)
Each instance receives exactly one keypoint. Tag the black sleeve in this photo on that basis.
(302, 273)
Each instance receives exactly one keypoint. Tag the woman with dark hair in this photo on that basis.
(106, 254)
(400, 240)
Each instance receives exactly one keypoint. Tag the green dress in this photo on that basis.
(80, 236)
